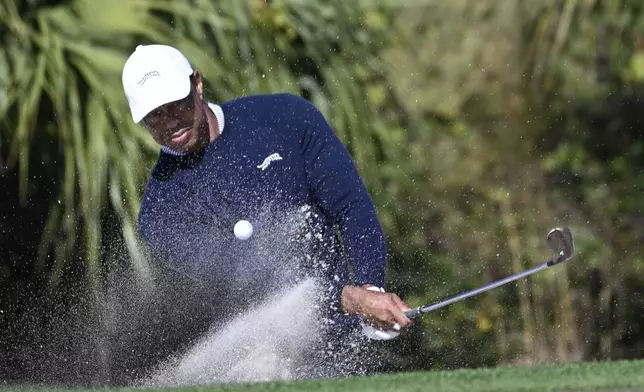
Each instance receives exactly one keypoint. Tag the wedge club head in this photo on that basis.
(561, 242)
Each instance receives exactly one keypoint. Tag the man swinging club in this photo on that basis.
(250, 157)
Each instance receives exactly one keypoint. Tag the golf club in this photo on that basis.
(559, 240)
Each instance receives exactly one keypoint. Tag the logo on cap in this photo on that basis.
(147, 76)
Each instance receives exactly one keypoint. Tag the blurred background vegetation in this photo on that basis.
(477, 125)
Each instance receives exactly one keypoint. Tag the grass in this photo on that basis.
(618, 376)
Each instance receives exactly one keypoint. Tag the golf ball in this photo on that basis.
(243, 230)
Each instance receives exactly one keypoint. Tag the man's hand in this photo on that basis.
(381, 309)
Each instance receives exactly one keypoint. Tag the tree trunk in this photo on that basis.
(568, 346)
(514, 244)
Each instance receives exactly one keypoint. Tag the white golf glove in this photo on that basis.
(374, 333)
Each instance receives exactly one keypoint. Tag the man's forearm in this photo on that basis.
(353, 299)
(349, 299)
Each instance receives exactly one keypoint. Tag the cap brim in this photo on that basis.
(161, 92)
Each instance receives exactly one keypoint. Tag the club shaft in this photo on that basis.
(428, 308)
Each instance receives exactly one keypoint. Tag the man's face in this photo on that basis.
(181, 125)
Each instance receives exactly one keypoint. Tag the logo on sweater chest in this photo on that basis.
(267, 161)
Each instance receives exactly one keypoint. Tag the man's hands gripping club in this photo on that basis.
(383, 310)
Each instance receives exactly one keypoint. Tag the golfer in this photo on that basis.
(270, 160)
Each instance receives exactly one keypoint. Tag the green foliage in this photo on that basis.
(62, 93)
(514, 101)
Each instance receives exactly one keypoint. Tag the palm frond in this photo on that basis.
(63, 69)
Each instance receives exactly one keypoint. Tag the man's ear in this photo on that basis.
(198, 82)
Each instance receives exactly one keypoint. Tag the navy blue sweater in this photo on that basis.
(279, 165)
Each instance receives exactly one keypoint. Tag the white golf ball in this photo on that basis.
(243, 230)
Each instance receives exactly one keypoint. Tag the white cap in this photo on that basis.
(153, 76)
